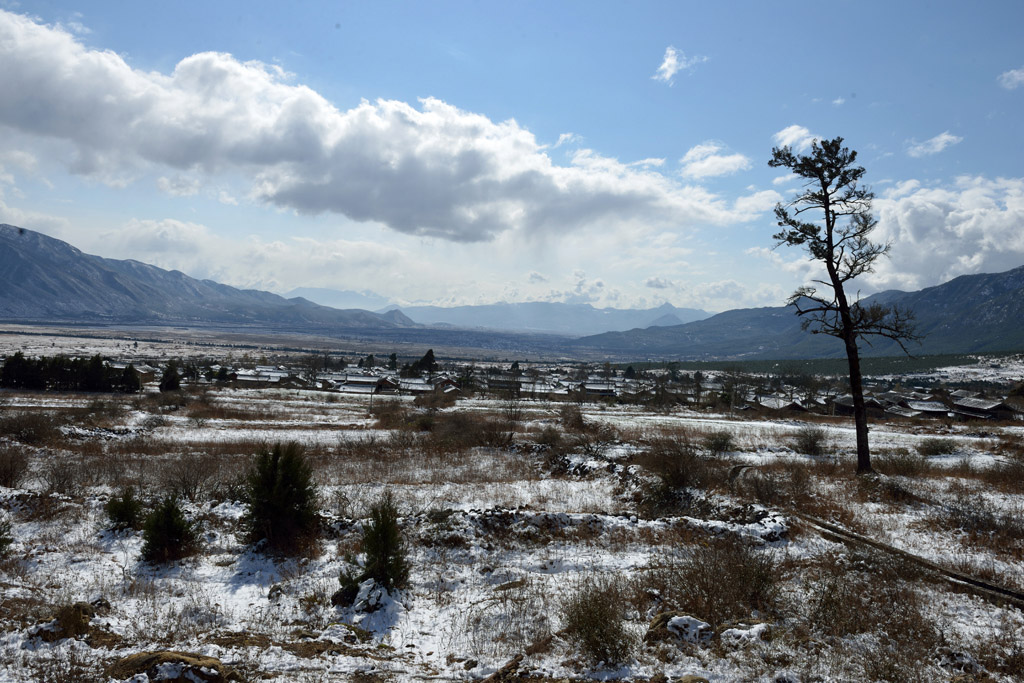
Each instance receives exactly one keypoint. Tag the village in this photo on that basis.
(661, 388)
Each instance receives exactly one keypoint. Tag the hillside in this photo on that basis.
(42, 278)
(972, 313)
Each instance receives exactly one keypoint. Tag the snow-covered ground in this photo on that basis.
(498, 537)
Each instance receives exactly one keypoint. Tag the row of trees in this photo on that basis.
(60, 373)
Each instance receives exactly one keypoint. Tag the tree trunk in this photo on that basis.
(860, 413)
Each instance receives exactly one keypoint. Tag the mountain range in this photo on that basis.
(43, 279)
(969, 314)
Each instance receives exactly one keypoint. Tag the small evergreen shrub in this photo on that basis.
(282, 500)
(594, 618)
(124, 510)
(167, 536)
(386, 553)
(385, 549)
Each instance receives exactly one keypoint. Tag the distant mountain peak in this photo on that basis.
(46, 279)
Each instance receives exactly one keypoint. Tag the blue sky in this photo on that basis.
(449, 153)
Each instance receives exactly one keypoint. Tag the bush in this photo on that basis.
(13, 466)
(282, 500)
(810, 440)
(719, 442)
(902, 462)
(29, 428)
(385, 551)
(936, 446)
(386, 561)
(593, 616)
(571, 417)
(124, 511)
(6, 539)
(721, 580)
(167, 536)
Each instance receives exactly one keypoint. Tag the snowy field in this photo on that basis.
(646, 514)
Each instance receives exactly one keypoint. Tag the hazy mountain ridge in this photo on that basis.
(42, 278)
(971, 313)
(550, 317)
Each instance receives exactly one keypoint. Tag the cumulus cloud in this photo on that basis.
(704, 161)
(1012, 79)
(674, 62)
(941, 232)
(933, 145)
(795, 136)
(839, 101)
(432, 169)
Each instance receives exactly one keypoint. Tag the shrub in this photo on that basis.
(124, 510)
(719, 442)
(572, 417)
(63, 475)
(902, 462)
(810, 440)
(593, 615)
(385, 551)
(282, 500)
(29, 428)
(936, 446)
(167, 536)
(721, 580)
(13, 466)
(6, 539)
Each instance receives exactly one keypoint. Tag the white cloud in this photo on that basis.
(1012, 79)
(224, 197)
(432, 170)
(757, 203)
(674, 62)
(784, 179)
(933, 145)
(55, 226)
(159, 237)
(178, 186)
(703, 161)
(941, 232)
(535, 278)
(839, 101)
(568, 138)
(798, 137)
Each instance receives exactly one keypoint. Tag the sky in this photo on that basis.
(452, 153)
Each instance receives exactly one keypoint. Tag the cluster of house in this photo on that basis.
(565, 383)
(959, 405)
(354, 381)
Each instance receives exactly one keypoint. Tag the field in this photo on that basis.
(545, 541)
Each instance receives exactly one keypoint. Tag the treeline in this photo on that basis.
(60, 373)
